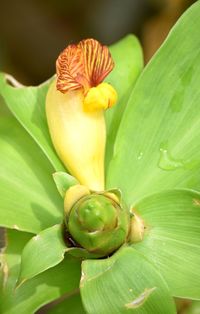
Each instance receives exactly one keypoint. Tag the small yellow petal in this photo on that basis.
(94, 100)
(102, 97)
(109, 92)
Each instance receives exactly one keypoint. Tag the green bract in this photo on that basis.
(98, 224)
(152, 157)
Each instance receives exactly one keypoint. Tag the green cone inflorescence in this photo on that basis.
(98, 223)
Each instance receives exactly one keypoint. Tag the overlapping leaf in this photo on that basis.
(52, 284)
(28, 106)
(43, 251)
(63, 181)
(29, 200)
(126, 282)
(72, 305)
(172, 238)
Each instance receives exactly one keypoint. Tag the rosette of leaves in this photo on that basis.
(152, 156)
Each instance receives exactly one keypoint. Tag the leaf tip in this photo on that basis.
(19, 283)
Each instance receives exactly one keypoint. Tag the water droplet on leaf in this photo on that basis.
(167, 162)
(140, 155)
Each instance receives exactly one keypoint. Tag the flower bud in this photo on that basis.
(97, 223)
(78, 136)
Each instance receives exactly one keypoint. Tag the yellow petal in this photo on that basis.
(101, 97)
(78, 136)
(109, 92)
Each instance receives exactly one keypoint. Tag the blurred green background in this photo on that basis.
(33, 32)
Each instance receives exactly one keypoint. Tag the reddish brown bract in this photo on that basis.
(83, 65)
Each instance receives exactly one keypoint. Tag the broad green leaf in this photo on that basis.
(29, 200)
(64, 181)
(72, 305)
(125, 282)
(28, 106)
(157, 145)
(42, 252)
(128, 58)
(172, 238)
(52, 284)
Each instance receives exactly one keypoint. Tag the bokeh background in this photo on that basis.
(33, 32)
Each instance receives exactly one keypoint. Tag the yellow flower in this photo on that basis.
(74, 107)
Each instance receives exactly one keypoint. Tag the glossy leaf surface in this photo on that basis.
(42, 252)
(124, 283)
(29, 200)
(157, 146)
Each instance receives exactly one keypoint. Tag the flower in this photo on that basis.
(83, 65)
(74, 107)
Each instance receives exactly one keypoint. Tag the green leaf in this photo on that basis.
(125, 282)
(28, 106)
(46, 287)
(128, 58)
(72, 305)
(172, 238)
(10, 258)
(157, 146)
(79, 252)
(28, 197)
(42, 252)
(64, 181)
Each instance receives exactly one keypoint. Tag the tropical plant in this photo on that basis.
(133, 244)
